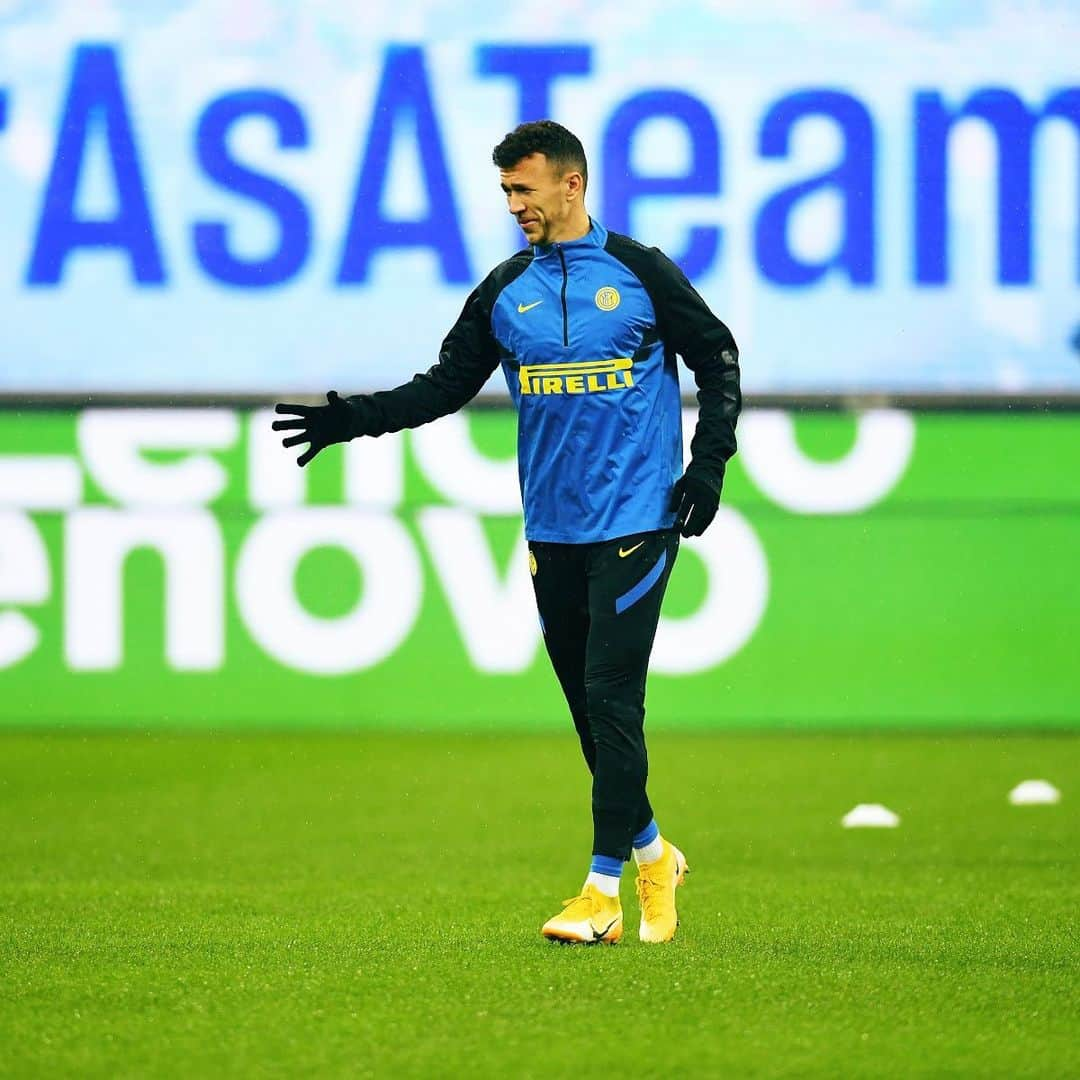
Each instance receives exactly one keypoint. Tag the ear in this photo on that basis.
(574, 185)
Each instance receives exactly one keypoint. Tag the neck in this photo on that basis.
(576, 226)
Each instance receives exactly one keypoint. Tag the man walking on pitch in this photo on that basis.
(586, 325)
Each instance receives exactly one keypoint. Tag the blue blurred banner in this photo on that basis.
(265, 197)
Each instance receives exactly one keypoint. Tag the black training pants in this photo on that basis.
(599, 607)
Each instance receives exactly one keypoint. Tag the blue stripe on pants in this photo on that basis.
(632, 596)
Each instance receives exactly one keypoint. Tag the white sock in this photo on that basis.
(607, 884)
(650, 852)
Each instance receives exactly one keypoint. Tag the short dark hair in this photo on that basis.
(558, 144)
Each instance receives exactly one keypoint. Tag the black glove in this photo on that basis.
(319, 425)
(694, 502)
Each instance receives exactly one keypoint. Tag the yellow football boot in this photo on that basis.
(656, 885)
(587, 919)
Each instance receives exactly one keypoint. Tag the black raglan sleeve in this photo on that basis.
(468, 356)
(688, 326)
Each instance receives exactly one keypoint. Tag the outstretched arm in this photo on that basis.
(467, 358)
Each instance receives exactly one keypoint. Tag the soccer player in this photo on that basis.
(586, 325)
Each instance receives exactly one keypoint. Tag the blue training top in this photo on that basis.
(587, 332)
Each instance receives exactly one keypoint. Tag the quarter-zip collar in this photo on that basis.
(596, 237)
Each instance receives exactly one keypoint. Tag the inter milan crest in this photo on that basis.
(607, 298)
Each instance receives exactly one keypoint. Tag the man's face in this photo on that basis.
(540, 198)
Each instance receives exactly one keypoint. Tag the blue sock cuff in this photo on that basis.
(606, 864)
(647, 835)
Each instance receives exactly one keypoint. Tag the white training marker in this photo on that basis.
(870, 816)
(1034, 793)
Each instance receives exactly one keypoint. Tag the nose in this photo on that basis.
(515, 205)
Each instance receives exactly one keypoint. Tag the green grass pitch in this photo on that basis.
(370, 905)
